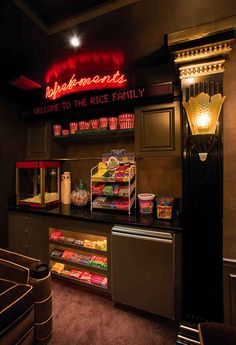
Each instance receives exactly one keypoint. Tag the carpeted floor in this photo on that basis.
(84, 318)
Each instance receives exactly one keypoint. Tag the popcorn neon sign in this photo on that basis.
(116, 80)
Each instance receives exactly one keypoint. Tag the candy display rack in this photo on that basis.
(79, 257)
(113, 182)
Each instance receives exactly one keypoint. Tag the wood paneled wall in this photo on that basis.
(158, 175)
(11, 150)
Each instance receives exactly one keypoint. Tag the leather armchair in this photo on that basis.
(25, 300)
(212, 333)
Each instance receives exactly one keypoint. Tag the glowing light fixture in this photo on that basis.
(203, 113)
(75, 41)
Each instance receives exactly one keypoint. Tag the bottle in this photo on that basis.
(80, 196)
(62, 188)
(66, 188)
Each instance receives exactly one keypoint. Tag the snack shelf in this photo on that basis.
(79, 282)
(120, 195)
(83, 275)
(77, 264)
(97, 134)
(113, 179)
(115, 170)
(70, 258)
(74, 246)
(113, 207)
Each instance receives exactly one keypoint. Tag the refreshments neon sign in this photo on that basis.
(116, 80)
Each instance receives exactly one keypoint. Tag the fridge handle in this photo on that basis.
(156, 239)
(141, 232)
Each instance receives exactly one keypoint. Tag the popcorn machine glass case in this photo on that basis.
(38, 183)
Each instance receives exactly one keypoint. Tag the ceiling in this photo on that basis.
(34, 33)
(55, 16)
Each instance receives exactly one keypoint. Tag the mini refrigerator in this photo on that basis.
(146, 270)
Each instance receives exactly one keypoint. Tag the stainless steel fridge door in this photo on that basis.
(142, 269)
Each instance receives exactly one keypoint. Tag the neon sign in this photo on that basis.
(116, 80)
(113, 60)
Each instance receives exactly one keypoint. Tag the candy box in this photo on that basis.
(164, 207)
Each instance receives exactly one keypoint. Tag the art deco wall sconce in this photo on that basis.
(203, 113)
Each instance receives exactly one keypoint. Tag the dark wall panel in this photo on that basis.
(11, 150)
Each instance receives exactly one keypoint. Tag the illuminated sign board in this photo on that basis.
(91, 100)
(98, 81)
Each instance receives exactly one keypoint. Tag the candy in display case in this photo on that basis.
(113, 182)
(38, 183)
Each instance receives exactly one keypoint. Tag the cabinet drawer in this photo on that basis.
(28, 235)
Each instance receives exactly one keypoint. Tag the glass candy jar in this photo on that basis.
(80, 196)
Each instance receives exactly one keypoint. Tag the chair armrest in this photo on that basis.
(212, 333)
(14, 272)
(17, 258)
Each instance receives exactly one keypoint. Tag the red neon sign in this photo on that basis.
(109, 59)
(116, 80)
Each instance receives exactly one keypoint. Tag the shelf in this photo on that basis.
(74, 246)
(97, 134)
(112, 179)
(77, 281)
(77, 264)
(116, 195)
(115, 209)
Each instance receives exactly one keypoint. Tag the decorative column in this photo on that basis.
(201, 70)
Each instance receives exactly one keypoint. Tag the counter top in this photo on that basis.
(113, 217)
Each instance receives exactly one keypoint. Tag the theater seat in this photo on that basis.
(212, 333)
(16, 313)
(21, 274)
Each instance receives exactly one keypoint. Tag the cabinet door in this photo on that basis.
(28, 235)
(17, 234)
(38, 140)
(157, 130)
(143, 272)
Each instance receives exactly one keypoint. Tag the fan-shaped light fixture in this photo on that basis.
(203, 113)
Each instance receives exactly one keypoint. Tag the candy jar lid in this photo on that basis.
(82, 184)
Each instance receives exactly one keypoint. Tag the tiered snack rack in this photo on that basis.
(84, 262)
(126, 197)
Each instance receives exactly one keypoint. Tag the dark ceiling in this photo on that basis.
(34, 33)
(51, 12)
(54, 16)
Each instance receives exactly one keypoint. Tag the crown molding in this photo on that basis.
(198, 70)
(75, 20)
(203, 52)
(201, 31)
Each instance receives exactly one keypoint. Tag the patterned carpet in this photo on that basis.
(81, 317)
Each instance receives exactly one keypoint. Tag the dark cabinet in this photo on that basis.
(28, 235)
(38, 140)
(157, 130)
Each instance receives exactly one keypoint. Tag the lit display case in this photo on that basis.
(38, 183)
(80, 257)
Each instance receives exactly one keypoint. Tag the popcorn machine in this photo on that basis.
(37, 183)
